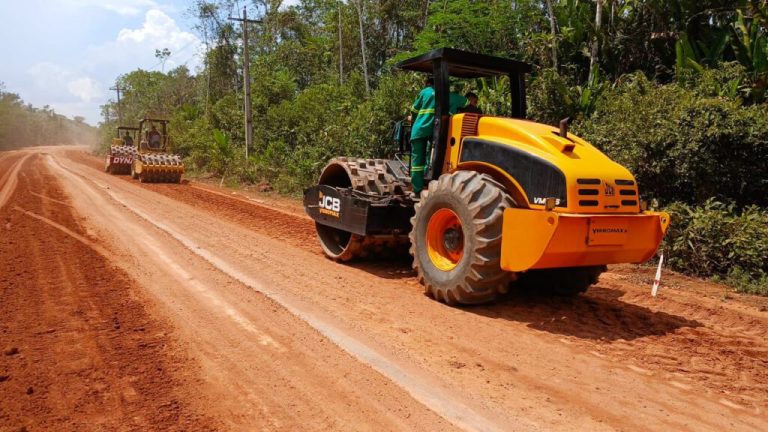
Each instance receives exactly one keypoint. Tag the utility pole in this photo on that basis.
(247, 80)
(118, 89)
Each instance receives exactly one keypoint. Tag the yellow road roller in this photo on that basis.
(507, 200)
(153, 163)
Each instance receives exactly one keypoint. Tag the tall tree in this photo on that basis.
(553, 31)
(594, 60)
(341, 49)
(360, 7)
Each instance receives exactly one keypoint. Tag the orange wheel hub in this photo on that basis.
(445, 239)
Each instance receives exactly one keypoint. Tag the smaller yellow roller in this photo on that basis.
(153, 163)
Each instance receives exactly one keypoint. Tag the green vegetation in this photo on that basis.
(715, 239)
(684, 142)
(675, 90)
(22, 125)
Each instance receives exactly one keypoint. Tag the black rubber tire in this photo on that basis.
(479, 202)
(562, 282)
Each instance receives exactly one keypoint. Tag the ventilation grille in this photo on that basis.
(621, 194)
(469, 125)
(589, 192)
(588, 181)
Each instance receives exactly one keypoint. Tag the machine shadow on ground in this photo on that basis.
(396, 266)
(600, 314)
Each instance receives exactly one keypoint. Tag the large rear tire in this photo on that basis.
(456, 238)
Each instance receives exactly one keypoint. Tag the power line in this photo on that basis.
(118, 89)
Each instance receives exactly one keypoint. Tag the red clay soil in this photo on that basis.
(80, 351)
(262, 367)
(689, 359)
(284, 225)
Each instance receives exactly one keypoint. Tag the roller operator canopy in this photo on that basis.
(465, 64)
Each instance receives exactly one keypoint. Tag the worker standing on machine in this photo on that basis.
(154, 138)
(423, 127)
(127, 140)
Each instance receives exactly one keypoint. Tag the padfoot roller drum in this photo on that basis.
(119, 159)
(366, 178)
(157, 168)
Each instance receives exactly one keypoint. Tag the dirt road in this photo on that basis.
(136, 307)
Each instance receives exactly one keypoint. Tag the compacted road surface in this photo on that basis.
(127, 306)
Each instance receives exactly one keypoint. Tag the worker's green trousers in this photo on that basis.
(418, 163)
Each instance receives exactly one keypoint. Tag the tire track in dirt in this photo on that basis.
(306, 384)
(103, 252)
(9, 180)
(87, 354)
(293, 229)
(445, 405)
(450, 409)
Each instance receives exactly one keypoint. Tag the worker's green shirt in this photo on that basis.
(456, 102)
(424, 114)
(424, 111)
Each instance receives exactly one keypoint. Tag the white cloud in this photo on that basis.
(122, 7)
(65, 91)
(81, 85)
(135, 47)
(158, 28)
(85, 88)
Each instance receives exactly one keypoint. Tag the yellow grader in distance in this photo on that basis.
(122, 151)
(507, 201)
(153, 163)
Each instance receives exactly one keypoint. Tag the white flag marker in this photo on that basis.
(657, 281)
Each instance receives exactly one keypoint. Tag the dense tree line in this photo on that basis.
(22, 125)
(675, 90)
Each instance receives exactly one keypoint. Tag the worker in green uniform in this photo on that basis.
(423, 126)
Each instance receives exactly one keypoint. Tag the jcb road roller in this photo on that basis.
(507, 201)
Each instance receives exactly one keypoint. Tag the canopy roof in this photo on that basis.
(465, 64)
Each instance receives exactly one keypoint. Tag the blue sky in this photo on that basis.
(67, 53)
